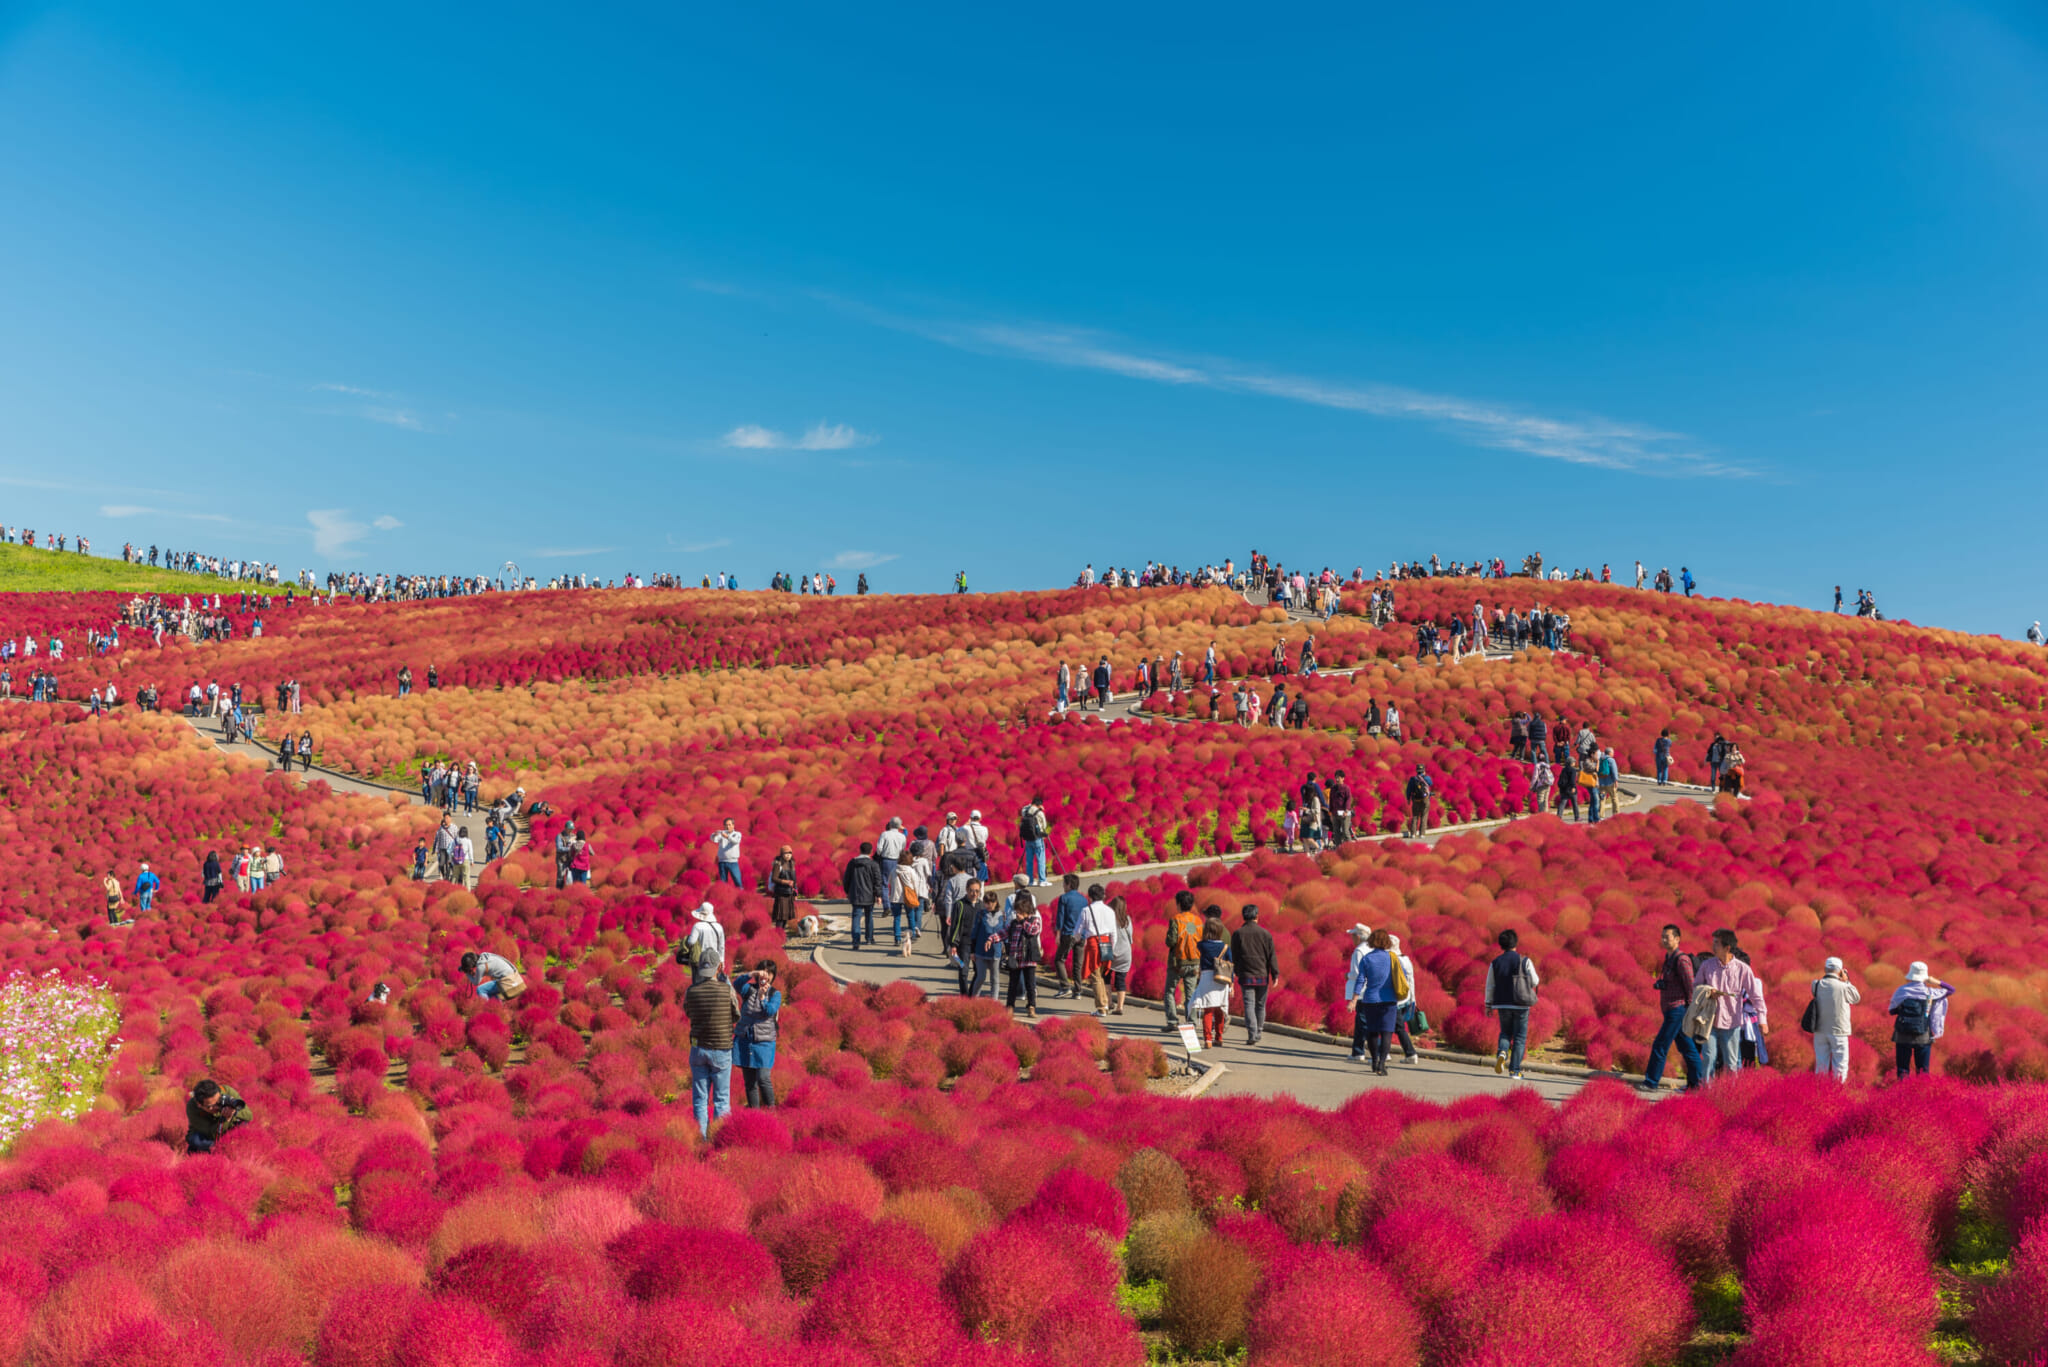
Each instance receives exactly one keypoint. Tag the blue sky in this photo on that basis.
(1758, 291)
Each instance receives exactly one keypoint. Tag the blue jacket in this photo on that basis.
(147, 881)
(1073, 913)
(747, 1051)
(1372, 976)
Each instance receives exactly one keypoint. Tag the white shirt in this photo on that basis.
(889, 844)
(1101, 919)
(728, 846)
(949, 839)
(706, 935)
(974, 836)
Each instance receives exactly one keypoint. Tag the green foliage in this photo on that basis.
(35, 571)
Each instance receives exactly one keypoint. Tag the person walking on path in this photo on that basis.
(974, 836)
(1372, 988)
(1212, 985)
(1539, 787)
(1033, 826)
(1098, 947)
(714, 1013)
(1511, 984)
(862, 880)
(1609, 778)
(1664, 758)
(1101, 681)
(1070, 924)
(1342, 809)
(755, 1032)
(1183, 957)
(728, 842)
(1717, 755)
(1023, 945)
(1833, 995)
(782, 888)
(1567, 781)
(1919, 1012)
(1064, 685)
(909, 890)
(1419, 788)
(985, 943)
(1737, 996)
(1404, 1009)
(1255, 961)
(1122, 945)
(582, 856)
(565, 845)
(1674, 983)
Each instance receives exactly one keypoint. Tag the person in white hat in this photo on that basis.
(974, 836)
(706, 935)
(1919, 1013)
(1833, 995)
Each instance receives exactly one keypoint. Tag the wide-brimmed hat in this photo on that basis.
(1916, 972)
(704, 913)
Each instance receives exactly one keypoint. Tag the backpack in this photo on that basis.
(1402, 987)
(1184, 936)
(1036, 822)
(1914, 1023)
(1027, 829)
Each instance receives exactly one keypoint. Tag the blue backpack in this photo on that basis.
(1913, 1023)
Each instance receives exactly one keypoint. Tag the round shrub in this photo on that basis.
(1156, 1240)
(1355, 1318)
(1152, 1182)
(899, 1319)
(1209, 1288)
(1072, 1195)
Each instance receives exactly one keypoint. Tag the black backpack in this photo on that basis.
(1913, 1023)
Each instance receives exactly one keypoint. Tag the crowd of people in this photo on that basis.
(52, 541)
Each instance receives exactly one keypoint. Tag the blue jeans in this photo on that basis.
(1063, 697)
(1034, 860)
(863, 917)
(1670, 1033)
(1593, 814)
(729, 873)
(145, 898)
(710, 1085)
(1723, 1053)
(888, 876)
(489, 989)
(984, 967)
(1514, 1034)
(1663, 772)
(895, 923)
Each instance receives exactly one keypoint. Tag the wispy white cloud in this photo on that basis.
(693, 547)
(395, 417)
(334, 531)
(137, 510)
(571, 552)
(1583, 440)
(819, 437)
(859, 560)
(387, 523)
(355, 391)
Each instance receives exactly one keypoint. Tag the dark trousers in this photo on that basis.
(760, 1087)
(1913, 1057)
(1401, 1033)
(1255, 1010)
(1670, 1033)
(863, 917)
(212, 891)
(1026, 977)
(1066, 962)
(1368, 1042)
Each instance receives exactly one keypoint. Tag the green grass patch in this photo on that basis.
(35, 571)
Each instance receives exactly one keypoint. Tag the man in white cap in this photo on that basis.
(1833, 995)
(146, 884)
(706, 937)
(974, 836)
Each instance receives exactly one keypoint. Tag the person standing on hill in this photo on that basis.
(862, 880)
(146, 884)
(1664, 758)
(1341, 809)
(714, 1013)
(1064, 682)
(1674, 982)
(1919, 1011)
(1833, 995)
(1511, 985)
(728, 840)
(1257, 962)
(782, 888)
(1102, 682)
(1418, 791)
(1717, 755)
(1738, 996)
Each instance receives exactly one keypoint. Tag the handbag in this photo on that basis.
(1222, 973)
(1809, 1019)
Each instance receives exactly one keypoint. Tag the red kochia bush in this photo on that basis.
(2011, 1318)
(898, 1318)
(1008, 1276)
(1085, 1200)
(1814, 1334)
(658, 1261)
(1356, 1318)
(1636, 1284)
(1534, 1316)
(1857, 1277)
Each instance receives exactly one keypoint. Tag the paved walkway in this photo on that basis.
(265, 752)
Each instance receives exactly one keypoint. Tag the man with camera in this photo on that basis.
(210, 1112)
